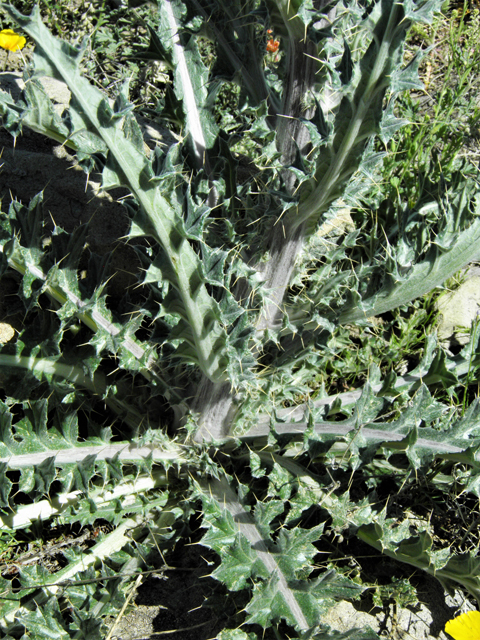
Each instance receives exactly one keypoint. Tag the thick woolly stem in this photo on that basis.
(214, 404)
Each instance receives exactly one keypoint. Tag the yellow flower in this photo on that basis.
(11, 41)
(465, 627)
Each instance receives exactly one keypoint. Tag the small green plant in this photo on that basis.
(201, 396)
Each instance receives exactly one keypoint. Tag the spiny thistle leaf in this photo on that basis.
(127, 165)
(280, 569)
(396, 542)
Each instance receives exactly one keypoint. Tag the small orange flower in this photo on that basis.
(11, 41)
(465, 626)
(272, 45)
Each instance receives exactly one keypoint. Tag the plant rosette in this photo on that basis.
(197, 388)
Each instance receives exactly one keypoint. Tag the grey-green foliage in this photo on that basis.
(245, 278)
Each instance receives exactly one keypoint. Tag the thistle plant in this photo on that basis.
(260, 233)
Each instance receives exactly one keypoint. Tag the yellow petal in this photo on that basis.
(465, 627)
(11, 40)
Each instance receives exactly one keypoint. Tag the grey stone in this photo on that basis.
(459, 309)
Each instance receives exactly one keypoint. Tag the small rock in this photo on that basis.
(459, 309)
